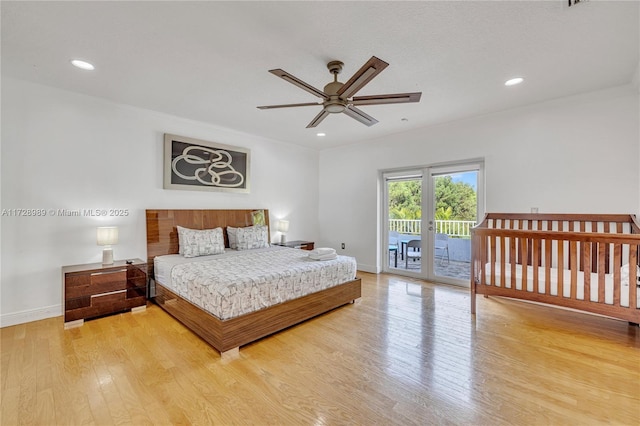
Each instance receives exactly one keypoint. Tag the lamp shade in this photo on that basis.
(107, 235)
(283, 226)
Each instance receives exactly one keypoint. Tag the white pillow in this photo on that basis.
(181, 238)
(624, 274)
(196, 242)
(252, 237)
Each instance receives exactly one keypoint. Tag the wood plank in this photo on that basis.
(395, 358)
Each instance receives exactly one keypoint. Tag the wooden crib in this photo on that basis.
(580, 261)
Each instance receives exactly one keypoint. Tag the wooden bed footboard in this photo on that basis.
(586, 262)
(225, 335)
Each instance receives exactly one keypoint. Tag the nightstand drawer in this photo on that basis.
(103, 282)
(112, 301)
(95, 283)
(98, 278)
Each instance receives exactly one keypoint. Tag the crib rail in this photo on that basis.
(575, 261)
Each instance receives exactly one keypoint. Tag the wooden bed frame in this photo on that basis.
(556, 243)
(228, 335)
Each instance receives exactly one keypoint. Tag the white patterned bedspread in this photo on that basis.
(239, 282)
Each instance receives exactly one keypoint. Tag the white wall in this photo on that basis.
(62, 150)
(578, 154)
(635, 82)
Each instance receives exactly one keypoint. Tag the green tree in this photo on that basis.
(405, 199)
(454, 200)
(460, 197)
(444, 214)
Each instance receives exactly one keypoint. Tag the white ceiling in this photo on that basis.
(208, 61)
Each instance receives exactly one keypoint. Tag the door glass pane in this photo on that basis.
(455, 213)
(404, 195)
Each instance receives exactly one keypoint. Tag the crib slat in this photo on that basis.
(503, 250)
(560, 268)
(518, 225)
(581, 245)
(492, 247)
(594, 251)
(534, 263)
(586, 258)
(483, 260)
(633, 279)
(601, 250)
(512, 260)
(547, 266)
(617, 260)
(573, 266)
(523, 247)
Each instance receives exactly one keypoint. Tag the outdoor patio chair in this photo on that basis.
(442, 245)
(413, 251)
(394, 245)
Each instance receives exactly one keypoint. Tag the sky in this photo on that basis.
(467, 177)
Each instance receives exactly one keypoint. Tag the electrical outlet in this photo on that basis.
(342, 246)
(568, 3)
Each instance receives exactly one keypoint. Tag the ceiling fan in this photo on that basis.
(338, 97)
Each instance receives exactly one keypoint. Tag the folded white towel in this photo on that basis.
(329, 256)
(322, 251)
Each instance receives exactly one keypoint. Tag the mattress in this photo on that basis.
(566, 287)
(239, 282)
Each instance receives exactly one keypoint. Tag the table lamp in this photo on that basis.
(283, 227)
(107, 236)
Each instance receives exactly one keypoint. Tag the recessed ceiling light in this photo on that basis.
(321, 134)
(514, 81)
(82, 65)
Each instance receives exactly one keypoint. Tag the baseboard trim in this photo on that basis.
(15, 318)
(368, 268)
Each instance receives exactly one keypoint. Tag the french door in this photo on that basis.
(427, 216)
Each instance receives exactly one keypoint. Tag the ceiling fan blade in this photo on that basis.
(372, 68)
(289, 105)
(360, 115)
(318, 118)
(297, 82)
(394, 98)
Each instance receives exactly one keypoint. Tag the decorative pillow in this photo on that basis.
(181, 238)
(231, 234)
(204, 242)
(624, 274)
(252, 237)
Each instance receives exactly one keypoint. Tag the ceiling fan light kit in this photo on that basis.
(339, 97)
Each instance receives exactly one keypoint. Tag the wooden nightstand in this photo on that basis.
(304, 245)
(94, 290)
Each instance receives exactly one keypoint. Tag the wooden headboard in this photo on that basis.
(162, 234)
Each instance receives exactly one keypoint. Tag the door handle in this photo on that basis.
(430, 228)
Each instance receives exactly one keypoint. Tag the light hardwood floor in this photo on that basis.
(408, 352)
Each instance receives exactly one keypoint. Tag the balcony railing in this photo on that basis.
(453, 228)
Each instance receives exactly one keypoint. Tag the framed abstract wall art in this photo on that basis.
(194, 164)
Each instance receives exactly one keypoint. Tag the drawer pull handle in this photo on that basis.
(108, 272)
(106, 294)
